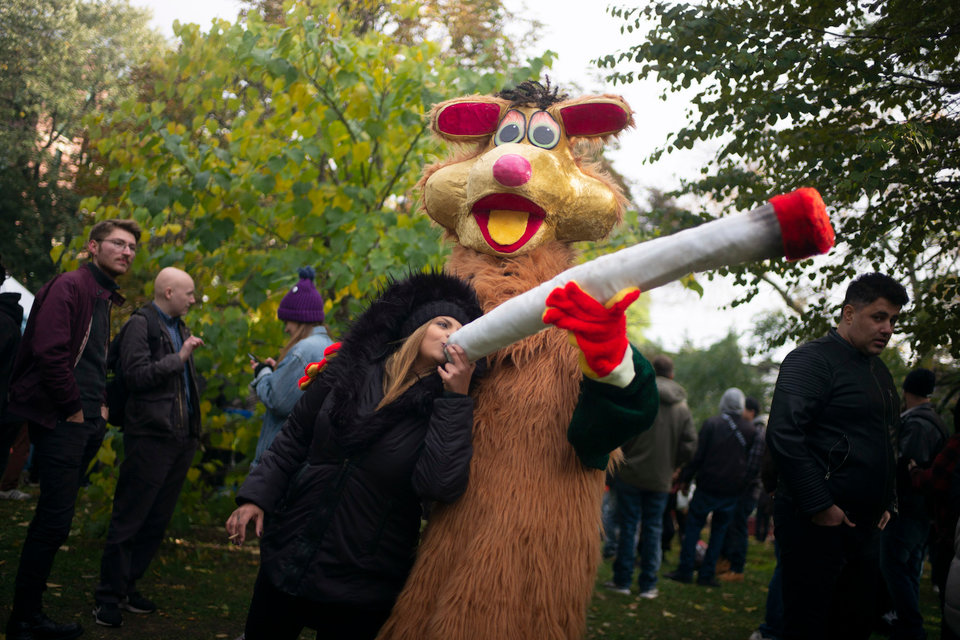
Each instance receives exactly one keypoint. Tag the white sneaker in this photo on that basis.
(610, 585)
(650, 594)
(15, 494)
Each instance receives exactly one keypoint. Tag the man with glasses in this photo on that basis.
(58, 385)
(833, 436)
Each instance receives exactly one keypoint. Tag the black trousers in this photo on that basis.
(275, 615)
(830, 577)
(62, 455)
(151, 476)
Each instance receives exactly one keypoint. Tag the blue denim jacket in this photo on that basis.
(278, 389)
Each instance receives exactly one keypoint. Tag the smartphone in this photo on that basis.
(253, 357)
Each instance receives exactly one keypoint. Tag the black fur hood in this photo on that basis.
(401, 307)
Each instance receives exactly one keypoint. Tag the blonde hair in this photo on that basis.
(301, 331)
(399, 373)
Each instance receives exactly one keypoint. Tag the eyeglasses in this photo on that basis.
(120, 244)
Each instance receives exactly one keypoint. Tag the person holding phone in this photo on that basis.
(275, 381)
(385, 427)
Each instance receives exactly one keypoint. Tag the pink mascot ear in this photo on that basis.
(595, 117)
(467, 119)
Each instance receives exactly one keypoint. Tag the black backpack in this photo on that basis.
(117, 391)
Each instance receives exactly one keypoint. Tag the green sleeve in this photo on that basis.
(607, 416)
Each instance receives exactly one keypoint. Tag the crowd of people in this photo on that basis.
(862, 487)
(859, 473)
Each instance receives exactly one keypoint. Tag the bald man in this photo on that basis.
(160, 437)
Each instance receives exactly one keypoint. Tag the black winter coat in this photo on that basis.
(720, 461)
(833, 430)
(157, 404)
(342, 489)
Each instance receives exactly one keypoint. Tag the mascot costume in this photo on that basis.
(516, 556)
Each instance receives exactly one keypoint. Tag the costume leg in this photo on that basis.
(59, 453)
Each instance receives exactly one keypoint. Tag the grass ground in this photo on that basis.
(203, 586)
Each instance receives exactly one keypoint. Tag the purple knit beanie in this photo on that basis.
(302, 303)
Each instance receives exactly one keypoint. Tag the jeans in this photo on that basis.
(738, 535)
(62, 455)
(609, 523)
(636, 506)
(151, 476)
(772, 627)
(903, 545)
(830, 576)
(701, 505)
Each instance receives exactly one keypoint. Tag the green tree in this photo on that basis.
(858, 99)
(707, 373)
(471, 33)
(59, 60)
(260, 147)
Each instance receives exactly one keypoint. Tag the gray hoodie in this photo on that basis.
(651, 457)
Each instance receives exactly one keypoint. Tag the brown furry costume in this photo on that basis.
(515, 557)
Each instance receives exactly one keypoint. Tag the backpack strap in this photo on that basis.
(154, 330)
(736, 430)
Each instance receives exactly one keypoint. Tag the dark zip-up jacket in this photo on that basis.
(157, 404)
(343, 522)
(720, 461)
(43, 387)
(833, 430)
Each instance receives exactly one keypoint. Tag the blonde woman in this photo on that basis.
(385, 427)
(275, 381)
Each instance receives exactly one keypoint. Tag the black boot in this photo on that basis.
(40, 627)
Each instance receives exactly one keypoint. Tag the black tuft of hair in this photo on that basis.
(307, 273)
(868, 287)
(533, 93)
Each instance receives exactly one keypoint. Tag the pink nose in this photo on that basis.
(512, 170)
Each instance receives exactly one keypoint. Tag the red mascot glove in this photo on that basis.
(598, 330)
(314, 368)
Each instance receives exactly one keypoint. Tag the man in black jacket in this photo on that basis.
(720, 467)
(833, 436)
(161, 433)
(904, 541)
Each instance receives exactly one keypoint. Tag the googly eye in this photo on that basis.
(544, 131)
(511, 128)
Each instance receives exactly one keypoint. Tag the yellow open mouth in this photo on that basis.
(507, 221)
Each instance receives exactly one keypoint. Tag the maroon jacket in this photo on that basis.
(43, 388)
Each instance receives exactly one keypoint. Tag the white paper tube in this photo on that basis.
(724, 242)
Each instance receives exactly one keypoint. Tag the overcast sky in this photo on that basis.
(579, 36)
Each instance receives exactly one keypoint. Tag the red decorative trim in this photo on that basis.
(468, 119)
(804, 224)
(592, 119)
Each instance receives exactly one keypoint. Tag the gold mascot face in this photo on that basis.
(523, 187)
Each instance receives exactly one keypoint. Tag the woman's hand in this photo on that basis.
(237, 522)
(456, 374)
(255, 364)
